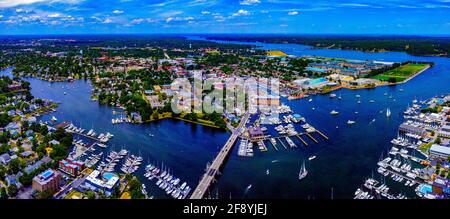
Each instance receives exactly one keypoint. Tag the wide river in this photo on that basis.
(342, 163)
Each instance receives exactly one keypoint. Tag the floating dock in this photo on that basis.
(275, 147)
(311, 137)
(301, 139)
(281, 143)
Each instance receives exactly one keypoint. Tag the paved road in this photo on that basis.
(212, 171)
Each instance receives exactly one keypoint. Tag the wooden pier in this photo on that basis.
(264, 149)
(281, 142)
(312, 138)
(320, 133)
(84, 135)
(303, 141)
(275, 147)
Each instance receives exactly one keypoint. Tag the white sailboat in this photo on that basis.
(303, 172)
(388, 112)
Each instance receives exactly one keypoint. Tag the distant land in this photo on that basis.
(413, 45)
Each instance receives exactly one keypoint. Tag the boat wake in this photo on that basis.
(247, 190)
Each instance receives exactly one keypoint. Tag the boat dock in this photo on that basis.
(303, 141)
(274, 147)
(320, 133)
(84, 135)
(262, 146)
(312, 138)
(209, 176)
(281, 143)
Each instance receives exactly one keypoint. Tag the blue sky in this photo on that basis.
(423, 17)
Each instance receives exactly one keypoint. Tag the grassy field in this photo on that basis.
(276, 53)
(401, 73)
(425, 147)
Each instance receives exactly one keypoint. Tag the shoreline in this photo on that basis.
(381, 84)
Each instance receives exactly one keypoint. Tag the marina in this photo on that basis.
(320, 116)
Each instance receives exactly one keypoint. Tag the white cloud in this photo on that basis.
(107, 21)
(55, 22)
(355, 5)
(117, 12)
(54, 15)
(13, 3)
(1, 16)
(170, 19)
(293, 13)
(206, 12)
(249, 2)
(241, 12)
(137, 21)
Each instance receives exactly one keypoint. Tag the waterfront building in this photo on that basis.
(255, 133)
(315, 83)
(107, 182)
(439, 151)
(71, 167)
(444, 132)
(47, 181)
(405, 128)
(268, 101)
(363, 81)
(441, 186)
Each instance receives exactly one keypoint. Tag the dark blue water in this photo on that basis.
(183, 147)
(352, 152)
(342, 163)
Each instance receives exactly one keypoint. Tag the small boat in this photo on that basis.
(267, 172)
(332, 95)
(313, 108)
(371, 101)
(54, 119)
(303, 172)
(65, 93)
(388, 112)
(312, 158)
(310, 100)
(351, 122)
(334, 112)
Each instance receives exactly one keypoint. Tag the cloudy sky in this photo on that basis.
(423, 17)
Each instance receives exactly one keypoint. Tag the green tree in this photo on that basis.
(90, 194)
(12, 191)
(3, 194)
(14, 166)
